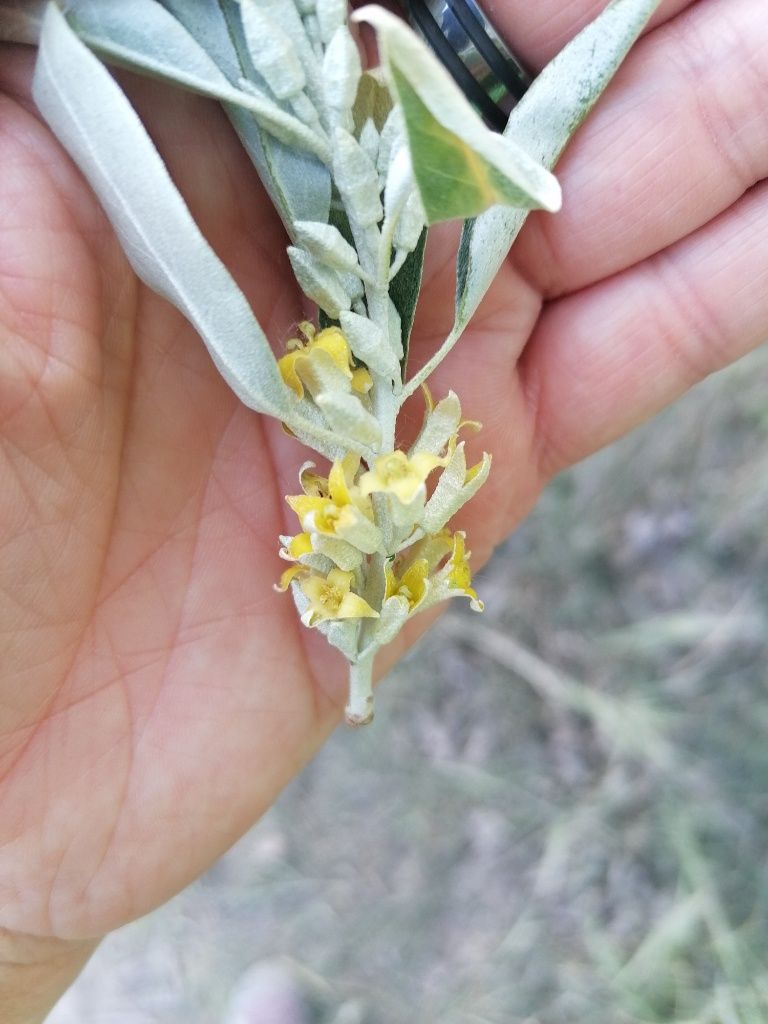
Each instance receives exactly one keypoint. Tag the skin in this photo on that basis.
(155, 693)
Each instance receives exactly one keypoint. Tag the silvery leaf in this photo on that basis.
(318, 562)
(361, 533)
(206, 23)
(369, 139)
(410, 224)
(93, 119)
(143, 36)
(399, 184)
(298, 183)
(543, 124)
(352, 285)
(356, 179)
(392, 135)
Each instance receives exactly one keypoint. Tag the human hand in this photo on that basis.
(148, 716)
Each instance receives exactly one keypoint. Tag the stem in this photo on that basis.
(359, 710)
(385, 409)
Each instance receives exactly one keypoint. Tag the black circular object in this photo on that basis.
(471, 49)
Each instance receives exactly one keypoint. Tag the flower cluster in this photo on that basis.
(374, 547)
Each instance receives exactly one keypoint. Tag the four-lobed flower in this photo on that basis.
(332, 597)
(309, 358)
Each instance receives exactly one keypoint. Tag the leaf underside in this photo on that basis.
(543, 123)
(454, 180)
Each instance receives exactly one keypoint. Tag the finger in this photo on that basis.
(682, 136)
(605, 360)
(536, 32)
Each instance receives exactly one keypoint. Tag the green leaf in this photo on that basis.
(543, 123)
(404, 291)
(93, 119)
(454, 179)
(460, 167)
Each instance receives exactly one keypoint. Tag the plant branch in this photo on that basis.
(415, 382)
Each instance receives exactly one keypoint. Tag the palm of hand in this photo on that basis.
(157, 694)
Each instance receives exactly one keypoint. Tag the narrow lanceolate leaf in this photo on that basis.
(404, 292)
(460, 167)
(298, 183)
(93, 119)
(543, 123)
(143, 36)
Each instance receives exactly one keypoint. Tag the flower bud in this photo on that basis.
(356, 179)
(273, 54)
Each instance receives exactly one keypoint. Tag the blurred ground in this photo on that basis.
(560, 815)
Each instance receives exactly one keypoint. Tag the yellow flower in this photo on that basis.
(335, 507)
(459, 575)
(412, 585)
(334, 344)
(294, 547)
(397, 474)
(331, 597)
(433, 548)
(289, 575)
